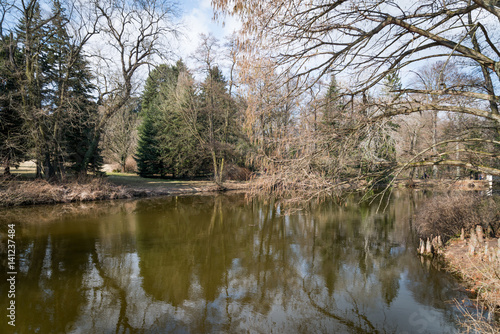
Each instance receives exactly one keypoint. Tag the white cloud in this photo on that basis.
(198, 19)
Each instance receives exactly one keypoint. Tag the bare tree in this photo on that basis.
(135, 33)
(120, 136)
(364, 41)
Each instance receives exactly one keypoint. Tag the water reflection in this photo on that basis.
(224, 264)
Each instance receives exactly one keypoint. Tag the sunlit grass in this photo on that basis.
(26, 170)
(134, 180)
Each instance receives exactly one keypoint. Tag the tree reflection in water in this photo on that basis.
(225, 264)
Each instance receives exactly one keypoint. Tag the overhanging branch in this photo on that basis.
(457, 163)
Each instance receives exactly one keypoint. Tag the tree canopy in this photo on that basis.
(365, 42)
(55, 102)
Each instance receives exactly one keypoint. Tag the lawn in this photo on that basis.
(135, 181)
(27, 170)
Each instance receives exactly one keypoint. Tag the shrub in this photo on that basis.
(446, 215)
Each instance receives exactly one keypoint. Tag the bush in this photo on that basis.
(446, 215)
(237, 173)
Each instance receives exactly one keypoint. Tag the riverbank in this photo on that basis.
(20, 191)
(478, 264)
(479, 268)
(469, 226)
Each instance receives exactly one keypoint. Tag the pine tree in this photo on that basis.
(31, 37)
(148, 151)
(57, 107)
(180, 150)
(148, 157)
(13, 147)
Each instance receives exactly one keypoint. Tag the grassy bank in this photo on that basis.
(29, 192)
(23, 189)
(480, 272)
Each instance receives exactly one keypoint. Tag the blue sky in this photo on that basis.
(197, 18)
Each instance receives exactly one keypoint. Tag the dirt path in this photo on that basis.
(141, 187)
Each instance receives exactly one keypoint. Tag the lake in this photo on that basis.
(223, 264)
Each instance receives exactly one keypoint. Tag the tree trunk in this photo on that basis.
(218, 168)
(91, 151)
(434, 141)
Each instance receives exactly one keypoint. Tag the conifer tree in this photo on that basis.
(217, 115)
(12, 139)
(57, 107)
(181, 151)
(31, 34)
(148, 157)
(148, 151)
(68, 97)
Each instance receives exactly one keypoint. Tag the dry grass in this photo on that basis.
(17, 193)
(482, 278)
(477, 321)
(446, 215)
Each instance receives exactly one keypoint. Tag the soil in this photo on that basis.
(182, 188)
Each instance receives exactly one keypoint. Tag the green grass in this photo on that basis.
(134, 180)
(26, 170)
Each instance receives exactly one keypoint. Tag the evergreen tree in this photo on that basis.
(148, 152)
(217, 116)
(12, 139)
(69, 97)
(183, 133)
(148, 157)
(56, 106)
(32, 37)
(332, 104)
(180, 150)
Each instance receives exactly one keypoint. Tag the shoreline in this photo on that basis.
(16, 193)
(478, 267)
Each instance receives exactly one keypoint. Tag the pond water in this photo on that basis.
(222, 264)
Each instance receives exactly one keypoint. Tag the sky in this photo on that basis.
(197, 18)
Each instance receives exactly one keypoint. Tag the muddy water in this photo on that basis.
(222, 264)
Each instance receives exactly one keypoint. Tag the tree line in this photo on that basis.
(66, 71)
(309, 95)
(386, 89)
